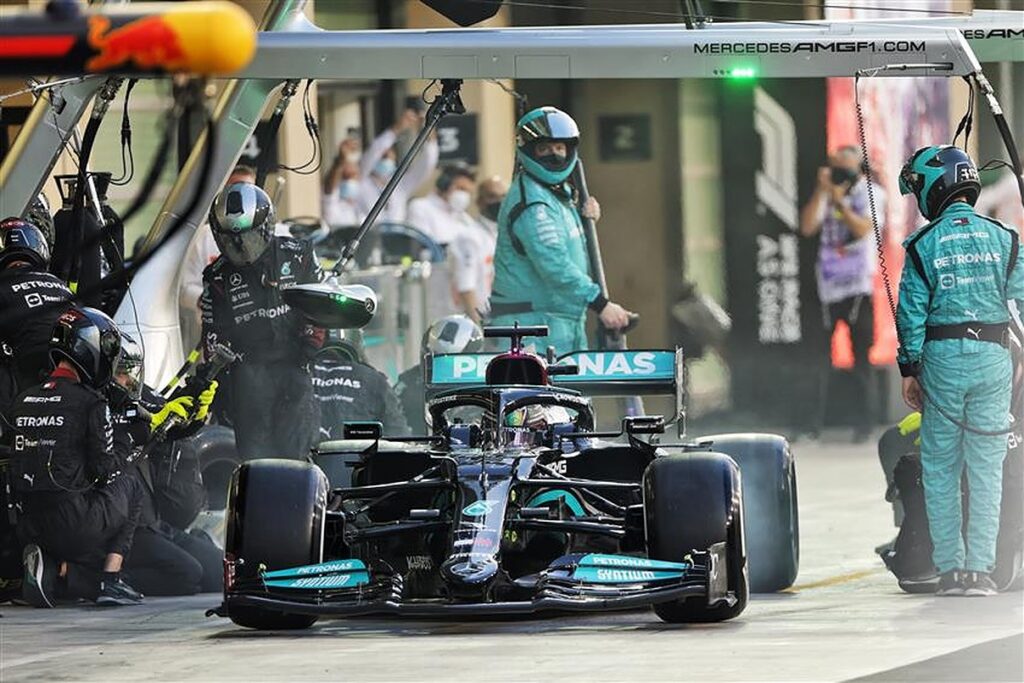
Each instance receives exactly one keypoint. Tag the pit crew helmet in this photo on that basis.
(453, 334)
(129, 366)
(90, 341)
(20, 240)
(547, 124)
(938, 174)
(242, 221)
(344, 344)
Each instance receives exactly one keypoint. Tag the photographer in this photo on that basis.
(839, 212)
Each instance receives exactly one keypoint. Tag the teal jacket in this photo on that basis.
(960, 268)
(541, 254)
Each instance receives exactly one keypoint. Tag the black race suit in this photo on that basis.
(30, 303)
(353, 392)
(271, 403)
(77, 501)
(164, 560)
(411, 396)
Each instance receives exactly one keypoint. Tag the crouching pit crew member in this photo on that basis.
(961, 271)
(350, 390)
(270, 402)
(79, 505)
(165, 560)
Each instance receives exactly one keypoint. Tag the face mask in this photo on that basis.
(460, 200)
(491, 211)
(385, 168)
(348, 189)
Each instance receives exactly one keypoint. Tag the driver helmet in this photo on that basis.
(90, 341)
(453, 334)
(938, 174)
(538, 417)
(346, 345)
(242, 221)
(20, 240)
(128, 370)
(547, 124)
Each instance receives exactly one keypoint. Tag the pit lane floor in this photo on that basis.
(844, 619)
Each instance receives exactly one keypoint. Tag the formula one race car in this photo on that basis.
(514, 504)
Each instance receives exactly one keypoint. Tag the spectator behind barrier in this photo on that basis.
(471, 252)
(378, 164)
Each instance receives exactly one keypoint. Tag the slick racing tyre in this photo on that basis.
(691, 502)
(218, 458)
(770, 506)
(276, 513)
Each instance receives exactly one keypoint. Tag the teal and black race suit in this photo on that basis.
(541, 270)
(960, 274)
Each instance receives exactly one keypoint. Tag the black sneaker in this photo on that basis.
(117, 593)
(979, 585)
(951, 583)
(925, 584)
(38, 586)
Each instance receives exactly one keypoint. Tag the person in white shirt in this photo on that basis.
(341, 206)
(1001, 200)
(378, 163)
(471, 252)
(443, 213)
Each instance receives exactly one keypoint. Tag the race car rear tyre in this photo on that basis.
(770, 506)
(276, 514)
(691, 502)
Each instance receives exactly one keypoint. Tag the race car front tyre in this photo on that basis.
(218, 458)
(691, 502)
(276, 515)
(770, 504)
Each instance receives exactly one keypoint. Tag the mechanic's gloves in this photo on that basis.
(181, 406)
(910, 424)
(205, 399)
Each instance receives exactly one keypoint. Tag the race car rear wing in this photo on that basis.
(600, 373)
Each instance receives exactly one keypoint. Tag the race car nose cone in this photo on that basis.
(474, 574)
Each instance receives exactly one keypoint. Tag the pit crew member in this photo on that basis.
(960, 273)
(270, 399)
(78, 502)
(350, 390)
(541, 271)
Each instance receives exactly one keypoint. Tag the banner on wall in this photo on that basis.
(773, 139)
(901, 115)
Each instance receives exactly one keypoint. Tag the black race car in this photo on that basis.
(514, 504)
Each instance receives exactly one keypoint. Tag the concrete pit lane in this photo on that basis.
(845, 619)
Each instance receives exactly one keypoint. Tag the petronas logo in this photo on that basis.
(479, 508)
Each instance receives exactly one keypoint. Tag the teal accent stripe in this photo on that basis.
(548, 496)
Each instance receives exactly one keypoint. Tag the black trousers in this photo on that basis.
(85, 527)
(168, 561)
(859, 315)
(273, 409)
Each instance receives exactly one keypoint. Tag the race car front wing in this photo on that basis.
(574, 583)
